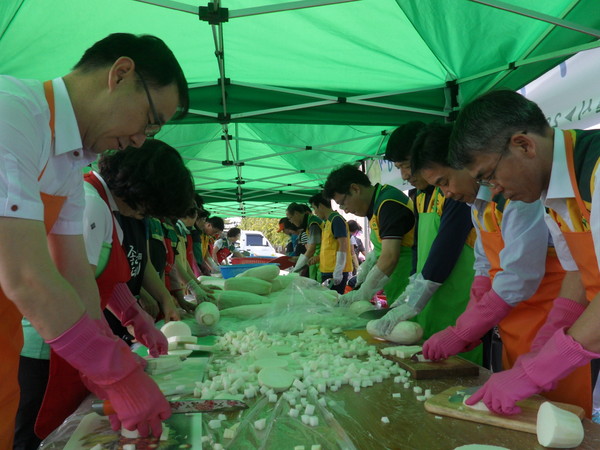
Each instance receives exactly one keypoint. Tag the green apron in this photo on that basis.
(399, 277)
(314, 271)
(451, 299)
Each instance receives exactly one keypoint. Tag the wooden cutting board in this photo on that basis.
(453, 367)
(525, 421)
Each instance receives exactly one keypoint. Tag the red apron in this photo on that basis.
(520, 327)
(189, 248)
(11, 332)
(65, 390)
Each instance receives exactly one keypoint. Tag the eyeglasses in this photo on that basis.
(151, 129)
(487, 182)
(341, 203)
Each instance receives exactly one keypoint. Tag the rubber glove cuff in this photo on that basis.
(480, 286)
(300, 263)
(421, 290)
(560, 356)
(564, 313)
(340, 263)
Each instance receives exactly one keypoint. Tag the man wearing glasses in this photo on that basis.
(533, 161)
(391, 219)
(518, 276)
(120, 92)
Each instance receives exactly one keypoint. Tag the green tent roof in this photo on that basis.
(299, 92)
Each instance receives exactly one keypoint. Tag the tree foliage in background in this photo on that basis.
(268, 227)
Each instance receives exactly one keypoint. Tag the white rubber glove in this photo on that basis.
(213, 265)
(365, 268)
(300, 263)
(376, 281)
(198, 291)
(338, 273)
(411, 302)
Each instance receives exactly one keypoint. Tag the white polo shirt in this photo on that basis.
(555, 197)
(26, 148)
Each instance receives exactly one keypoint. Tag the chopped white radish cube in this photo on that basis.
(385, 419)
(214, 424)
(260, 424)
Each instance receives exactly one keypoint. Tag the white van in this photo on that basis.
(256, 244)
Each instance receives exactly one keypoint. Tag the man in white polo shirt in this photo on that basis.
(122, 91)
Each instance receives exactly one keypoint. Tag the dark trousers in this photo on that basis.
(336, 287)
(33, 378)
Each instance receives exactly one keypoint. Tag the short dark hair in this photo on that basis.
(354, 226)
(152, 178)
(154, 61)
(431, 147)
(216, 222)
(233, 232)
(399, 144)
(318, 199)
(487, 123)
(287, 224)
(203, 214)
(341, 178)
(297, 207)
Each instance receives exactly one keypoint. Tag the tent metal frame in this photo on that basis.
(316, 100)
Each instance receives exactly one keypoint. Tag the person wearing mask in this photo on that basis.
(520, 156)
(335, 259)
(122, 90)
(226, 246)
(439, 291)
(391, 217)
(302, 218)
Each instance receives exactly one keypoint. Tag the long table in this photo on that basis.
(357, 416)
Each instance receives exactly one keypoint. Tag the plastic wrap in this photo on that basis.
(301, 304)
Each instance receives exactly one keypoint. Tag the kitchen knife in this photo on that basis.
(104, 408)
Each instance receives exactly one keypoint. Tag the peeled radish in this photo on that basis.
(207, 314)
(405, 332)
(558, 428)
(176, 329)
(275, 378)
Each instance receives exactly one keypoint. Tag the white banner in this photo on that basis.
(569, 94)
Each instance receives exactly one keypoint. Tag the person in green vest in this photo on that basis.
(301, 216)
(336, 253)
(391, 219)
(440, 290)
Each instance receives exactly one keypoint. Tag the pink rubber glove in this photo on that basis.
(564, 313)
(479, 317)
(109, 364)
(126, 308)
(481, 285)
(533, 373)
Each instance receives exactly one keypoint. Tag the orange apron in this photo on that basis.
(11, 333)
(520, 327)
(581, 246)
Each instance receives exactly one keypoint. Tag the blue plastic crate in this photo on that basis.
(235, 269)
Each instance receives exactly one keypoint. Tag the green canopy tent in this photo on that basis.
(282, 92)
